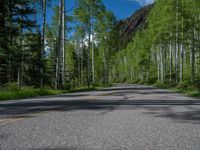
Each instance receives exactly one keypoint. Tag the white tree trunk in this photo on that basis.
(181, 54)
(177, 45)
(63, 40)
(171, 61)
(93, 73)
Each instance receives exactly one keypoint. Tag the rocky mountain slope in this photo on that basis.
(129, 26)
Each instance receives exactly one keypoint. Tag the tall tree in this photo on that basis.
(86, 13)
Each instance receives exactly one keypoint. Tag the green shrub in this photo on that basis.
(12, 92)
(67, 86)
(194, 93)
(183, 86)
(10, 87)
(25, 92)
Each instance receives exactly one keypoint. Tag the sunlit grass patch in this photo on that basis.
(11, 91)
(28, 92)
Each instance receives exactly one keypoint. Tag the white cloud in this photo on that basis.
(143, 2)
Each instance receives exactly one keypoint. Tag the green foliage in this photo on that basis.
(166, 50)
(10, 93)
(20, 43)
(37, 54)
(10, 87)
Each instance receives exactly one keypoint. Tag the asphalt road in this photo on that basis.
(118, 118)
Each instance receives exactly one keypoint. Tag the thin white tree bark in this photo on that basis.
(171, 61)
(63, 40)
(82, 57)
(89, 47)
(93, 73)
(181, 54)
(177, 45)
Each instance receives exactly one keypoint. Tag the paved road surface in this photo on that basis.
(118, 118)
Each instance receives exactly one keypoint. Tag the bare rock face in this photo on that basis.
(129, 26)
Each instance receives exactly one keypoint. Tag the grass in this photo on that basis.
(11, 92)
(189, 92)
(27, 92)
(185, 88)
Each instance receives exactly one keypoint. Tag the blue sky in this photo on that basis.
(121, 8)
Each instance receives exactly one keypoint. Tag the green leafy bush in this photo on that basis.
(25, 92)
(11, 91)
(10, 87)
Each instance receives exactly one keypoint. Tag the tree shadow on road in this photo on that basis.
(106, 103)
(57, 148)
(157, 108)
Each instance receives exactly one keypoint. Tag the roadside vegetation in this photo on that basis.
(87, 46)
(165, 50)
(185, 88)
(11, 91)
(61, 55)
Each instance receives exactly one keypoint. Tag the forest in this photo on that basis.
(82, 47)
(165, 50)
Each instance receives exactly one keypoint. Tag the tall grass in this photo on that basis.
(11, 91)
(26, 92)
(186, 88)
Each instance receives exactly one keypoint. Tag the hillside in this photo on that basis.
(129, 26)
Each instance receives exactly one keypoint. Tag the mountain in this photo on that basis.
(129, 26)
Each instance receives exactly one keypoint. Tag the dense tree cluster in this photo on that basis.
(167, 50)
(83, 47)
(20, 43)
(86, 54)
(71, 50)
